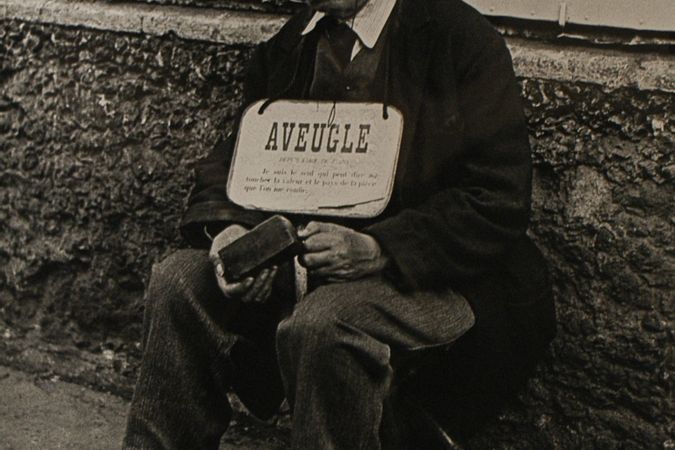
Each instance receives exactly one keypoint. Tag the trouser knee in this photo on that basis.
(175, 280)
(305, 334)
(322, 341)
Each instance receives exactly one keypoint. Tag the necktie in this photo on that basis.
(341, 38)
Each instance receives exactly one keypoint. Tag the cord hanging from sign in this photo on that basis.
(387, 69)
(331, 115)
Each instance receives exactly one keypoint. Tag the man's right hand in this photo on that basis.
(252, 289)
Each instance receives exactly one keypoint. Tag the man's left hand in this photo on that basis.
(338, 253)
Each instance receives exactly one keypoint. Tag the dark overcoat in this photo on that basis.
(461, 202)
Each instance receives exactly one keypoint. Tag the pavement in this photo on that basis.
(48, 413)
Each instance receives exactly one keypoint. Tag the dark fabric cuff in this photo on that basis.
(406, 266)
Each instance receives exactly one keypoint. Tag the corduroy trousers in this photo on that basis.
(334, 355)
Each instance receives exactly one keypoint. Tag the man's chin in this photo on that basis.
(340, 14)
(329, 7)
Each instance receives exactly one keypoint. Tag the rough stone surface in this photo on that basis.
(603, 214)
(97, 135)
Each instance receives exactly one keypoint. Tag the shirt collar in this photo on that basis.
(368, 22)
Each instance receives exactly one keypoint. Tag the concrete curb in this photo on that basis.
(610, 68)
(220, 26)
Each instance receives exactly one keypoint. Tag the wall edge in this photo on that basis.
(610, 68)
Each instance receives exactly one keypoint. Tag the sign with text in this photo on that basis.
(322, 158)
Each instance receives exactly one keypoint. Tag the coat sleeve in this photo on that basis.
(465, 228)
(208, 204)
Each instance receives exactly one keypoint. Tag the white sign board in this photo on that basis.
(320, 158)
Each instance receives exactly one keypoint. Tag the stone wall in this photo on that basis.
(603, 214)
(98, 131)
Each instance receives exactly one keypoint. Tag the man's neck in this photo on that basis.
(368, 23)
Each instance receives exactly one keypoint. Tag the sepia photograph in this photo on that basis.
(337, 224)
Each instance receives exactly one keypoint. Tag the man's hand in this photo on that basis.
(338, 253)
(251, 289)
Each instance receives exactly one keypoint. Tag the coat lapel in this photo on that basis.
(288, 66)
(411, 45)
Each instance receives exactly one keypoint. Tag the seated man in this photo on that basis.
(442, 295)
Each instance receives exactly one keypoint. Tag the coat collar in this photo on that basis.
(368, 23)
(290, 35)
(414, 15)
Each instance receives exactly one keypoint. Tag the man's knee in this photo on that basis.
(317, 334)
(326, 316)
(177, 277)
(307, 330)
(323, 319)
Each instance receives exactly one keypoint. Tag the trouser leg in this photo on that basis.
(192, 336)
(339, 349)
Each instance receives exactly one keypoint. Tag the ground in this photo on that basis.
(47, 413)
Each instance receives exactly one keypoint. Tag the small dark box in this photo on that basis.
(271, 242)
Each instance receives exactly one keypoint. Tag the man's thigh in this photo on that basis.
(403, 321)
(184, 283)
